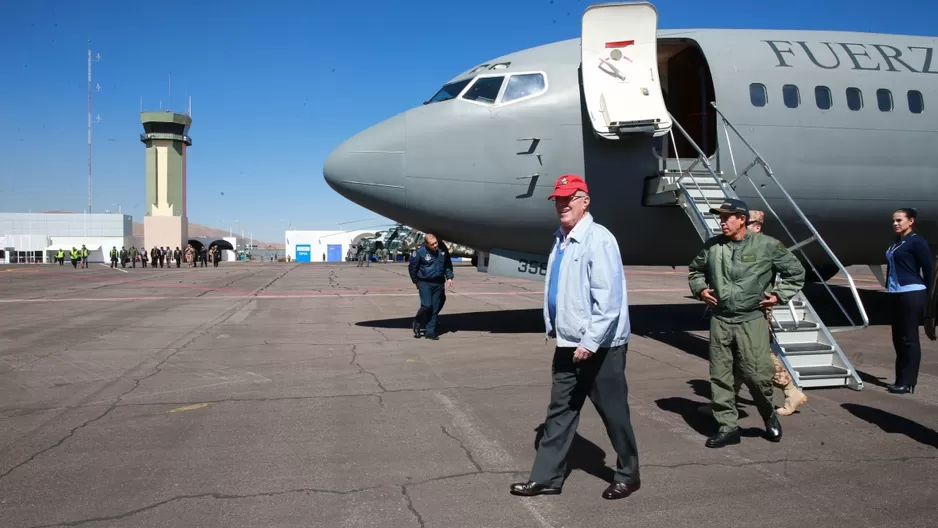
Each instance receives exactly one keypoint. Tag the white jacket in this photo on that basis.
(592, 302)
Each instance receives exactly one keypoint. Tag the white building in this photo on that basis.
(36, 237)
(321, 246)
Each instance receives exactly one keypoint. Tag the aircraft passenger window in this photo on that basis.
(822, 94)
(523, 86)
(757, 94)
(916, 102)
(485, 89)
(884, 98)
(791, 96)
(854, 99)
(448, 91)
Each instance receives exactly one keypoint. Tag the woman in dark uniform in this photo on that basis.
(909, 267)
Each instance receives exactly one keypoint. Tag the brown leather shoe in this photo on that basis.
(531, 488)
(620, 490)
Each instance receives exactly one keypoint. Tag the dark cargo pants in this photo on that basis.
(743, 347)
(431, 294)
(602, 378)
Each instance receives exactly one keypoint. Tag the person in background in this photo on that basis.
(177, 256)
(84, 256)
(429, 270)
(794, 397)
(144, 256)
(931, 309)
(909, 266)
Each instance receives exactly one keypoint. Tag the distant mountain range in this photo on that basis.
(195, 230)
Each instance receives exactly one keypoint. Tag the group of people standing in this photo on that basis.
(741, 275)
(160, 256)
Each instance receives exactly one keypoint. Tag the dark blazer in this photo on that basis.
(911, 263)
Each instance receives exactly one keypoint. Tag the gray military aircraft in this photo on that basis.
(827, 131)
(842, 117)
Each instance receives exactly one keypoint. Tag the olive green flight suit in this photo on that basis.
(739, 273)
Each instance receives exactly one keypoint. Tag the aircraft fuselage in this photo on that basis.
(479, 173)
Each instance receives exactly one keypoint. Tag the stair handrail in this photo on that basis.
(816, 236)
(687, 196)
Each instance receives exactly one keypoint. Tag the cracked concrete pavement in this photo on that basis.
(296, 395)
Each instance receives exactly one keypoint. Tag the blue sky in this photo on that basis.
(276, 85)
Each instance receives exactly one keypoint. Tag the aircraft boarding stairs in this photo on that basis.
(803, 343)
(622, 89)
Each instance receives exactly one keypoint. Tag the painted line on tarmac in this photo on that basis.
(284, 296)
(230, 290)
(491, 453)
(108, 267)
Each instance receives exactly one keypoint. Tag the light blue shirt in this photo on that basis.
(590, 300)
(552, 286)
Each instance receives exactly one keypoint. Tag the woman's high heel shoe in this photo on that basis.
(901, 389)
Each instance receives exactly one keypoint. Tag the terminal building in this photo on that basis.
(321, 246)
(37, 237)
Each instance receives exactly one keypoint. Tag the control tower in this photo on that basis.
(166, 136)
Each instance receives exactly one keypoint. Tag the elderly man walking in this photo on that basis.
(586, 309)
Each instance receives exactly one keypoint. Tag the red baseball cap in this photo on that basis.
(567, 185)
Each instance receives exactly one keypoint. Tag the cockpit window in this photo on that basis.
(485, 90)
(523, 85)
(449, 91)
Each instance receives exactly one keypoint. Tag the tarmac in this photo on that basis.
(262, 395)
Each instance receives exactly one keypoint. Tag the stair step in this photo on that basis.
(806, 348)
(809, 373)
(789, 326)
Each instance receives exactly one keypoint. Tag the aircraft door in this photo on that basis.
(619, 54)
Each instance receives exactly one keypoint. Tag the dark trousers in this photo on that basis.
(431, 296)
(908, 309)
(602, 378)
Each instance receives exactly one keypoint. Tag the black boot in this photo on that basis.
(723, 439)
(773, 429)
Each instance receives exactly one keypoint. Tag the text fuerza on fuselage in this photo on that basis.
(855, 56)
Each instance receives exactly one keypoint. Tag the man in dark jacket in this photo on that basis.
(429, 269)
(931, 308)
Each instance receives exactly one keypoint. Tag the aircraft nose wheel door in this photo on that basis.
(619, 54)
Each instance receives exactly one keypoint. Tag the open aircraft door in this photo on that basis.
(619, 54)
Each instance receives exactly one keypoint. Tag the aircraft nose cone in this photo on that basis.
(368, 168)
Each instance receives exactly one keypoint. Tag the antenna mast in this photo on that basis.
(89, 127)
(98, 88)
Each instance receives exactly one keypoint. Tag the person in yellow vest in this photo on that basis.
(60, 257)
(84, 256)
(74, 256)
(114, 255)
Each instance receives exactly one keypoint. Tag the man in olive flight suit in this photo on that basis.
(733, 274)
